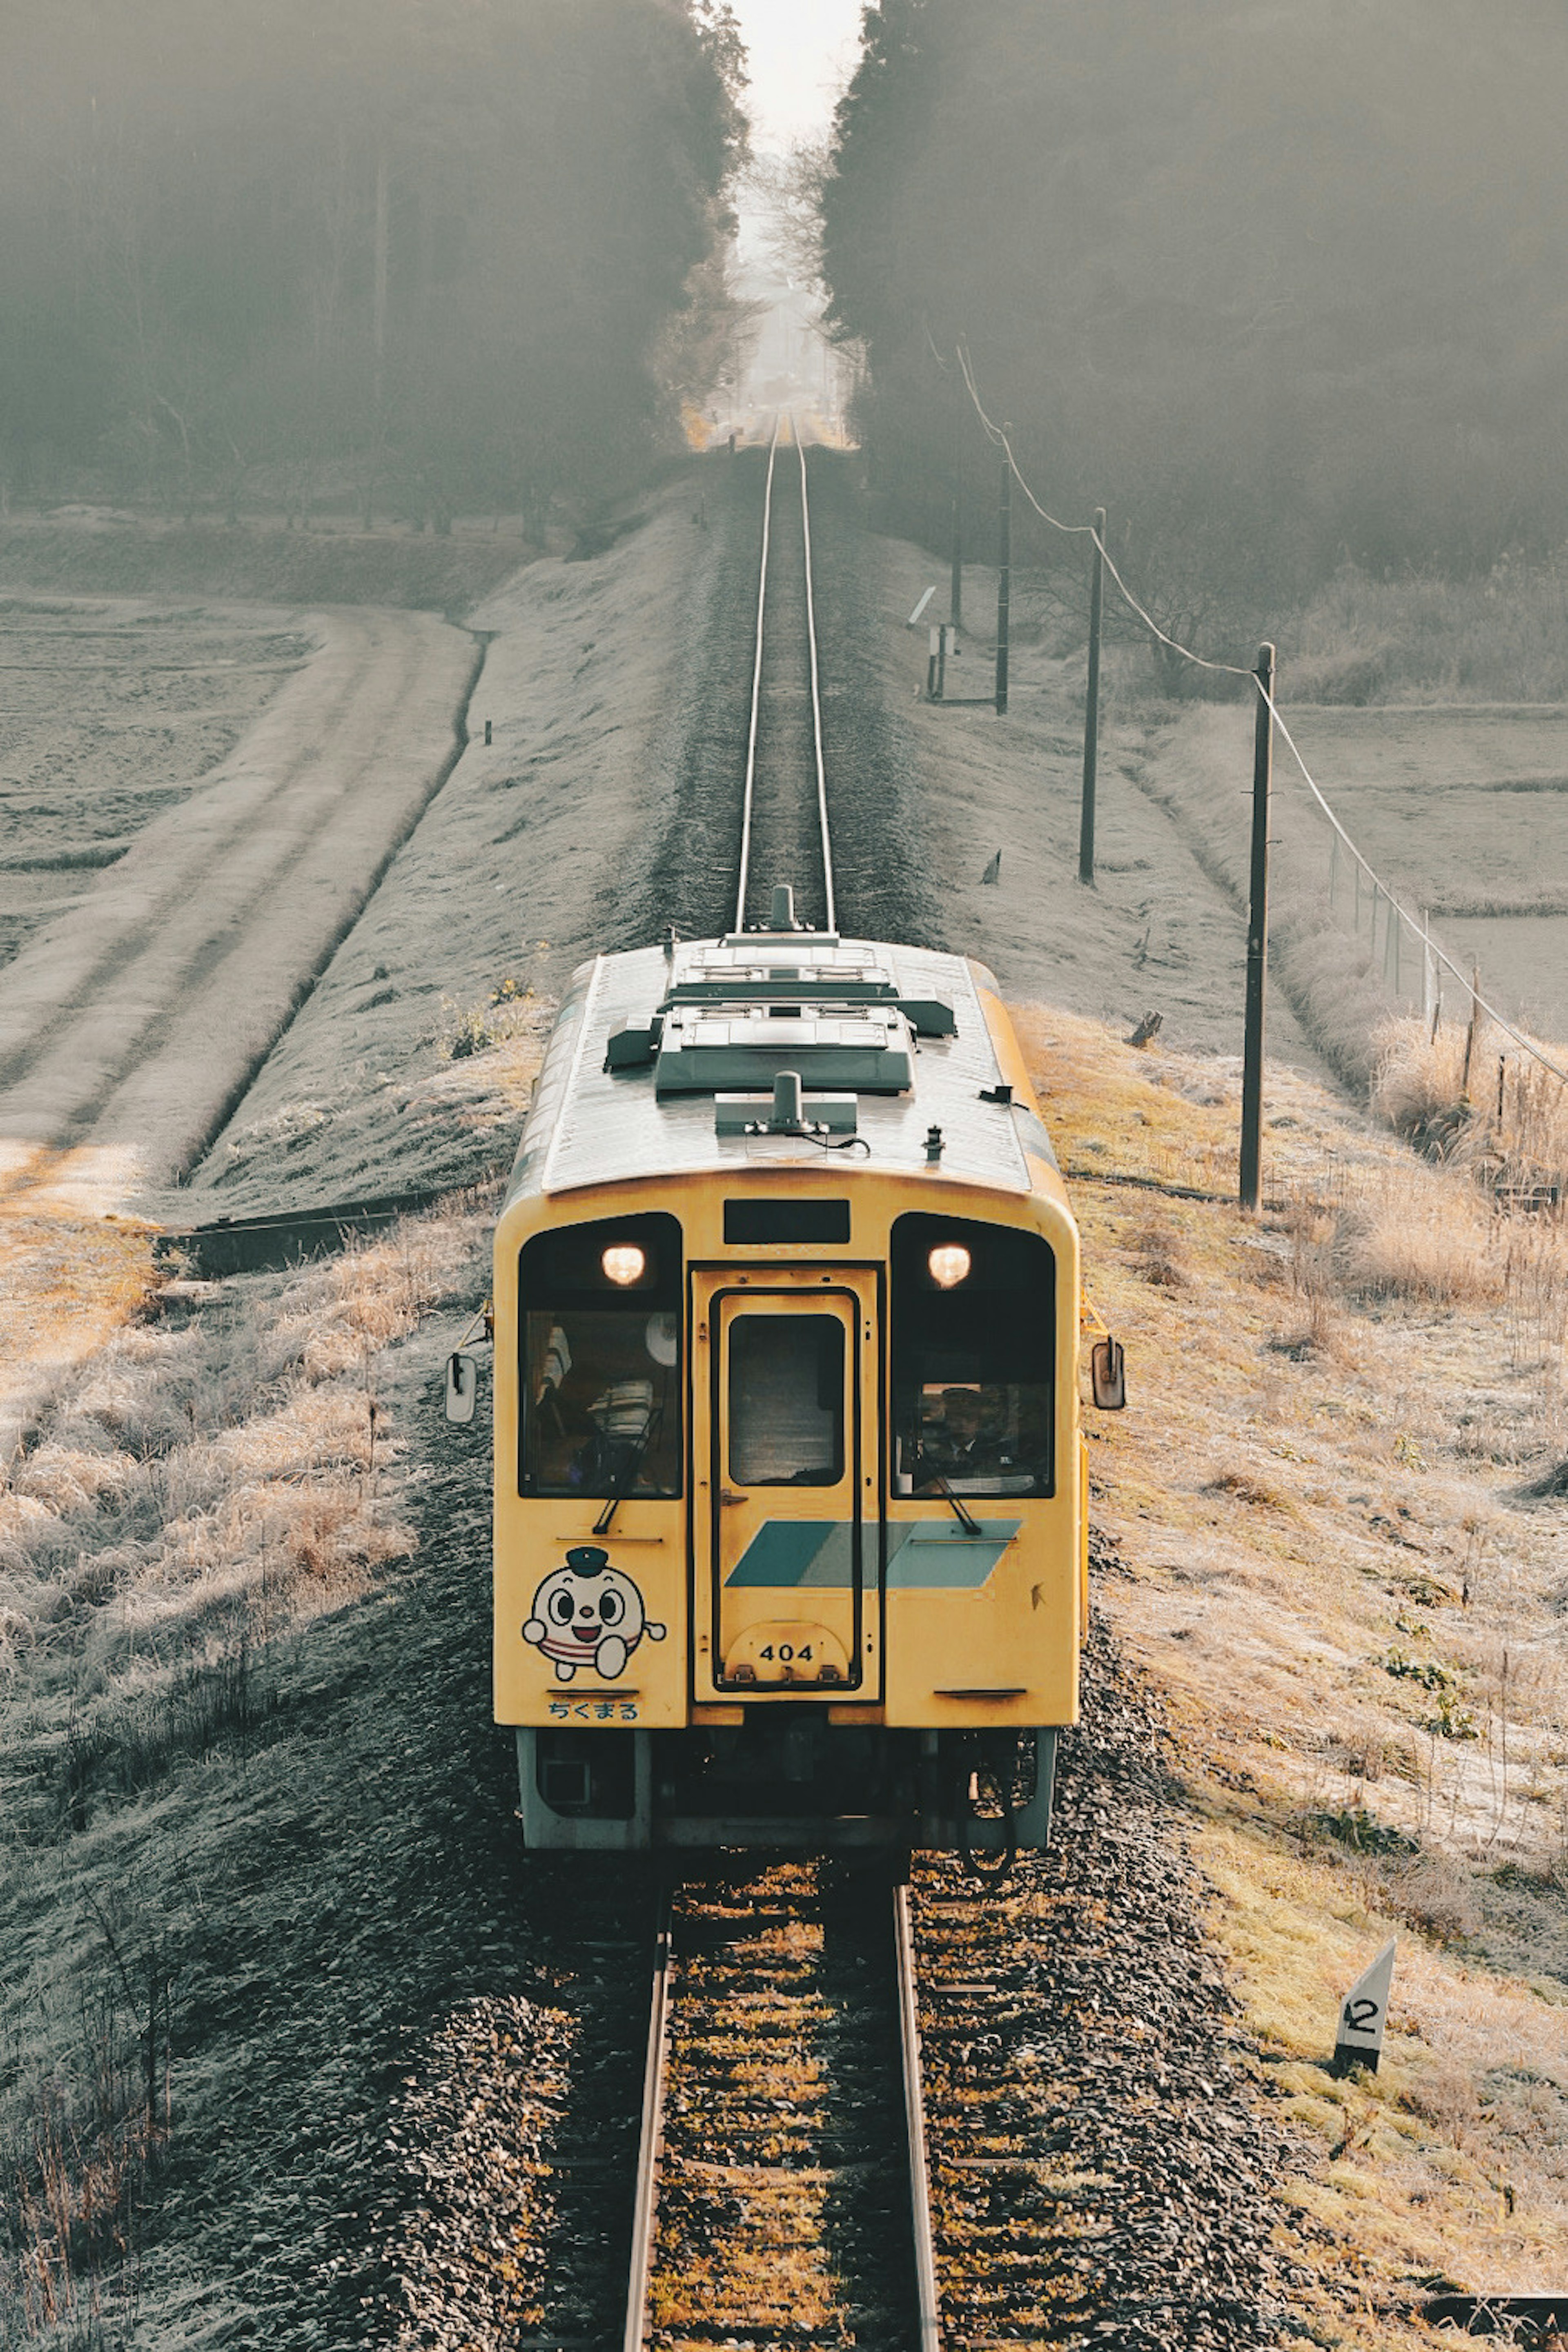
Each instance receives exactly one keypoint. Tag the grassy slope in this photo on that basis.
(1354, 1618)
(214, 1627)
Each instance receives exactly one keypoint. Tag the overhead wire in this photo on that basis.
(1421, 931)
(1085, 531)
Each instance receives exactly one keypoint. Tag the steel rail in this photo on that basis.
(930, 2338)
(756, 686)
(755, 728)
(815, 691)
(651, 2142)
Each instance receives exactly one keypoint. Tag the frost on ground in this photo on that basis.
(135, 1012)
(514, 875)
(114, 710)
(1343, 1567)
(253, 1820)
(130, 1020)
(1160, 930)
(1459, 809)
(1456, 805)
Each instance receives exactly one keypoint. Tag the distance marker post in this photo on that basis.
(1363, 2014)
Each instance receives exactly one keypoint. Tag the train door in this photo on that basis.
(787, 1482)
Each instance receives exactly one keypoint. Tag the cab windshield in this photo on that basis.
(972, 1385)
(601, 1361)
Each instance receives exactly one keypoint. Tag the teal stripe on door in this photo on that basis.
(788, 1555)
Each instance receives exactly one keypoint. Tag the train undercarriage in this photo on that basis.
(785, 1779)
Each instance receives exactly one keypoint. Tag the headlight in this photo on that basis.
(949, 1264)
(624, 1263)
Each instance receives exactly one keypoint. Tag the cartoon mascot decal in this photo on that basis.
(588, 1615)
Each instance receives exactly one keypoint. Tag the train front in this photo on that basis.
(789, 1481)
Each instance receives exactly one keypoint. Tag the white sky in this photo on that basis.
(800, 53)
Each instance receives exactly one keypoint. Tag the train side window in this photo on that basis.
(600, 1367)
(973, 1347)
(786, 1400)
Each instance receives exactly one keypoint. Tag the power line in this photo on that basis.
(1232, 669)
(1422, 932)
(1085, 531)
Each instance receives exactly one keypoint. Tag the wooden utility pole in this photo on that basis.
(1004, 577)
(1257, 937)
(1091, 703)
(955, 595)
(955, 612)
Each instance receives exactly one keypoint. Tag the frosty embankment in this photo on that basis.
(243, 1589)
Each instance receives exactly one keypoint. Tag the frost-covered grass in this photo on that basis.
(217, 1479)
(1501, 636)
(1342, 1579)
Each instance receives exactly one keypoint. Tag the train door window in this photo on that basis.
(786, 1401)
(973, 1347)
(600, 1369)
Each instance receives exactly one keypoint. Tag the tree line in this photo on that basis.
(449, 254)
(1279, 288)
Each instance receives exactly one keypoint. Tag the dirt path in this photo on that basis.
(132, 1019)
(127, 1026)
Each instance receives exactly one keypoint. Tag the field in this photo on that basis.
(270, 1956)
(114, 710)
(1344, 1546)
(1460, 810)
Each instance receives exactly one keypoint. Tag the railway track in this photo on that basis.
(784, 833)
(781, 2184)
(781, 2192)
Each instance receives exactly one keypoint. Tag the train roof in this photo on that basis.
(679, 1060)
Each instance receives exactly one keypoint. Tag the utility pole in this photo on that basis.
(1091, 704)
(1004, 577)
(956, 597)
(1258, 936)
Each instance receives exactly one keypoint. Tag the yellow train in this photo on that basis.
(790, 1484)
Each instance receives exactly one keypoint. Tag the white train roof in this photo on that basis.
(665, 1061)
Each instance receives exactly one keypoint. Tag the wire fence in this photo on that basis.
(1399, 921)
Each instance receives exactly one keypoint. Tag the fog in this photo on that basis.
(1279, 288)
(368, 251)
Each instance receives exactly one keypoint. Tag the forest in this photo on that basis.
(1279, 288)
(433, 257)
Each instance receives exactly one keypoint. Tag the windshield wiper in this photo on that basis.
(965, 1518)
(634, 1463)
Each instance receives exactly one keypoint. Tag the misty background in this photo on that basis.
(1282, 290)
(455, 258)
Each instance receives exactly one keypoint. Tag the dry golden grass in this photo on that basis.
(1476, 1100)
(200, 1485)
(70, 1277)
(1494, 637)
(199, 1489)
(1354, 1616)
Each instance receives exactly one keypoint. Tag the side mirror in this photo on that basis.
(1107, 1375)
(462, 1387)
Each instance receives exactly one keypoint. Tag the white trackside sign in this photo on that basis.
(1362, 2013)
